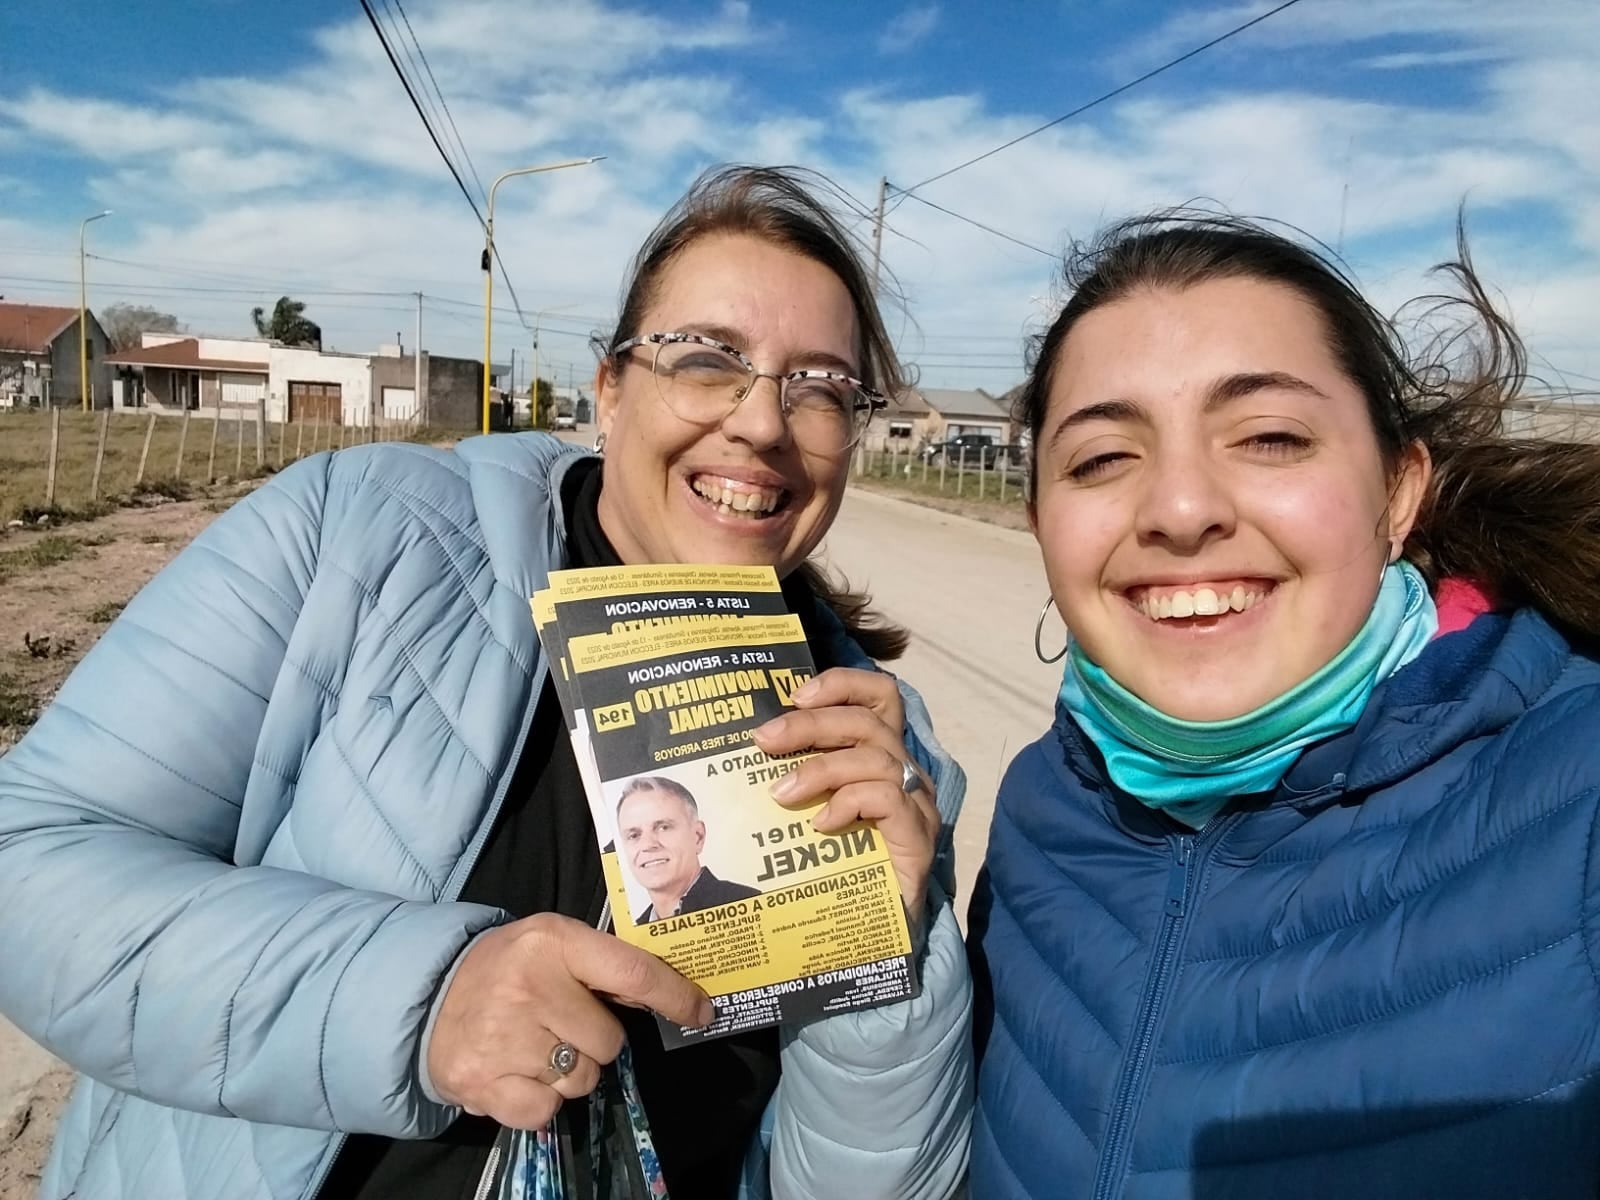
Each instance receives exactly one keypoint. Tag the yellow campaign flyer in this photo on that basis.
(628, 599)
(778, 922)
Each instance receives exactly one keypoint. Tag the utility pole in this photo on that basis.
(84, 388)
(420, 414)
(877, 232)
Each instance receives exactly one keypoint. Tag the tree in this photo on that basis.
(544, 408)
(288, 324)
(124, 323)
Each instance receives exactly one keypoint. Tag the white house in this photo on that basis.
(171, 372)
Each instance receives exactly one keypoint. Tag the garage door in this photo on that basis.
(399, 404)
(242, 391)
(322, 403)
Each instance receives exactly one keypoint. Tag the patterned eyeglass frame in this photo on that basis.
(876, 401)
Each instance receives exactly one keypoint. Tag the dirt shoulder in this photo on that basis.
(1009, 515)
(59, 589)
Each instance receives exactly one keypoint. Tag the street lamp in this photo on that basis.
(83, 311)
(488, 261)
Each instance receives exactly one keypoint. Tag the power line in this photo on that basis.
(405, 81)
(191, 288)
(980, 225)
(253, 282)
(443, 104)
(1111, 95)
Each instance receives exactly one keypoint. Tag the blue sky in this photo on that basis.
(251, 150)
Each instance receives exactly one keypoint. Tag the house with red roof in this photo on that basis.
(40, 358)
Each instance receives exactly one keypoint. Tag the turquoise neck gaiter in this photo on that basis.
(1191, 769)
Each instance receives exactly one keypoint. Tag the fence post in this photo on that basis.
(183, 437)
(924, 468)
(99, 456)
(283, 436)
(341, 432)
(211, 459)
(299, 439)
(1004, 469)
(961, 472)
(316, 432)
(55, 446)
(238, 444)
(944, 457)
(144, 454)
(261, 431)
(983, 461)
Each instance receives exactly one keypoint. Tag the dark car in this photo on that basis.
(973, 449)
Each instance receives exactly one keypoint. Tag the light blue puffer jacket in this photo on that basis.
(229, 851)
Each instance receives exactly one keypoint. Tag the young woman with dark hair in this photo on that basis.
(1301, 894)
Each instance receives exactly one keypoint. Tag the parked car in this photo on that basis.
(972, 448)
(566, 421)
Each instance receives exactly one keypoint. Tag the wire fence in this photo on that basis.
(61, 464)
(963, 472)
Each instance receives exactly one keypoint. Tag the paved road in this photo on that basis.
(970, 593)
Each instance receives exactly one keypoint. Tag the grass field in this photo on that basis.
(25, 453)
(995, 496)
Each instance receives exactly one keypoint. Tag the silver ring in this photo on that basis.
(910, 778)
(563, 1058)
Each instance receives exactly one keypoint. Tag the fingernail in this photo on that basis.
(770, 729)
(785, 787)
(805, 691)
(706, 1013)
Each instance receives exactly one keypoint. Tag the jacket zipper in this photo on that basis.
(1181, 874)
(458, 880)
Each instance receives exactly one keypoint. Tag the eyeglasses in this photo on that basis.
(703, 381)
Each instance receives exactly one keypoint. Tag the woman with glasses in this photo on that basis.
(1301, 895)
(298, 869)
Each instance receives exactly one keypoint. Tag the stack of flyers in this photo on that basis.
(662, 673)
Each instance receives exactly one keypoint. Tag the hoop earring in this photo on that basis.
(600, 443)
(1038, 632)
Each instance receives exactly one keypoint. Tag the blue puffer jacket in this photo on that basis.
(229, 851)
(1382, 982)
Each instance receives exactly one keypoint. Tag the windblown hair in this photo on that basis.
(1517, 515)
(781, 206)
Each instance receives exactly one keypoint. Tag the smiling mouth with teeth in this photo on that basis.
(731, 497)
(1167, 604)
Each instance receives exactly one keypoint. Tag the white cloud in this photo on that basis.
(909, 29)
(323, 177)
(104, 129)
(1412, 60)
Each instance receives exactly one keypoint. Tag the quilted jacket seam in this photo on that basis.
(1584, 895)
(1021, 1059)
(1076, 885)
(234, 564)
(403, 650)
(460, 567)
(192, 656)
(1377, 1018)
(322, 685)
(1235, 1164)
(1000, 909)
(120, 818)
(372, 802)
(327, 1015)
(1407, 896)
(227, 1023)
(1000, 1156)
